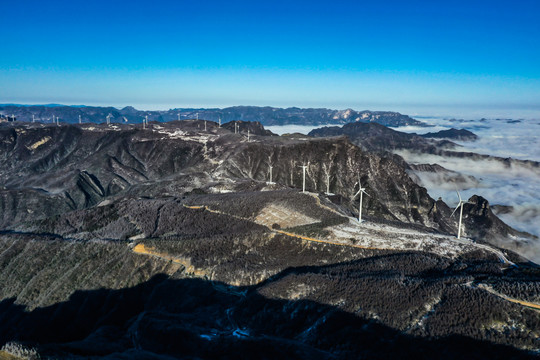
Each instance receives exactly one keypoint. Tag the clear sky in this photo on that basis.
(380, 55)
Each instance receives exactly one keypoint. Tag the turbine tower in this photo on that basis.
(204, 125)
(33, 118)
(220, 121)
(304, 167)
(80, 120)
(178, 116)
(248, 135)
(328, 184)
(271, 167)
(360, 192)
(460, 205)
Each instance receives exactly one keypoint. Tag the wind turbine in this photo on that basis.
(204, 125)
(460, 205)
(80, 120)
(248, 135)
(360, 192)
(328, 183)
(304, 167)
(220, 121)
(271, 167)
(33, 118)
(178, 116)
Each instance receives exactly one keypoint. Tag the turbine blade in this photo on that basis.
(459, 196)
(366, 193)
(358, 193)
(457, 207)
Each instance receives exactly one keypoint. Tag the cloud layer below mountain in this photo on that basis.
(516, 186)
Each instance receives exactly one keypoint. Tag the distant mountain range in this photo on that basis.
(265, 115)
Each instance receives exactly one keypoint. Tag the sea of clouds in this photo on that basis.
(517, 186)
(516, 138)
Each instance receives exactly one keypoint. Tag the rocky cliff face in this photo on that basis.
(50, 170)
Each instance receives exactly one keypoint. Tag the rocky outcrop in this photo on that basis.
(378, 138)
(453, 134)
(481, 223)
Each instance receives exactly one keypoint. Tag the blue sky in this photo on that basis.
(377, 54)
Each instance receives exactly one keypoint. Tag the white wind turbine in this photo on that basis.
(220, 121)
(327, 179)
(144, 122)
(328, 184)
(80, 120)
(271, 167)
(304, 167)
(360, 192)
(460, 205)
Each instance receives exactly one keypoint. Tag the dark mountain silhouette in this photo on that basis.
(454, 134)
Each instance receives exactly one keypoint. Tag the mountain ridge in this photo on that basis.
(170, 241)
(264, 114)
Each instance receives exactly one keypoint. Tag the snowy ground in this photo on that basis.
(387, 237)
(378, 236)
